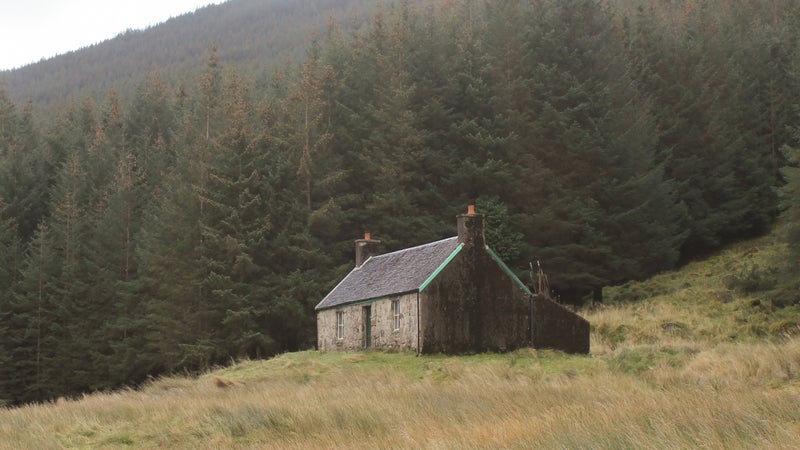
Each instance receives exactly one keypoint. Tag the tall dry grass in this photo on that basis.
(731, 396)
(691, 366)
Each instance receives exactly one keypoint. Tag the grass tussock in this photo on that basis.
(690, 364)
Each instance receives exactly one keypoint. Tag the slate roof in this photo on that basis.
(391, 273)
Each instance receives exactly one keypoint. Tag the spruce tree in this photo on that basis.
(711, 116)
(169, 257)
(236, 232)
(77, 306)
(500, 233)
(111, 258)
(789, 281)
(388, 161)
(9, 251)
(181, 320)
(306, 110)
(610, 214)
(23, 187)
(477, 143)
(790, 194)
(10, 255)
(148, 130)
(33, 328)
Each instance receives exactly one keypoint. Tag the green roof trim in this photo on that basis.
(508, 271)
(440, 268)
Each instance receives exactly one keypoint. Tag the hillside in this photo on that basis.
(256, 35)
(189, 221)
(691, 364)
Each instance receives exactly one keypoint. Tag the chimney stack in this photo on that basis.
(365, 248)
(471, 228)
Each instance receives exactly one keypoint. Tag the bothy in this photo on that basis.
(452, 296)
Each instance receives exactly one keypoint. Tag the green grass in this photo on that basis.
(699, 357)
(726, 297)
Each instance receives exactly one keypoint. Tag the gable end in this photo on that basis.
(440, 268)
(509, 272)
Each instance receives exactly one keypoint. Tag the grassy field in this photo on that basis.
(686, 359)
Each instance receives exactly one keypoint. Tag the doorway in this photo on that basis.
(367, 313)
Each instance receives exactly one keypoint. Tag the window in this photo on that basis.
(340, 325)
(396, 314)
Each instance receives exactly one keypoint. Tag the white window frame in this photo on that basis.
(340, 325)
(396, 315)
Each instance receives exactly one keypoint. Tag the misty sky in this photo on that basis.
(34, 29)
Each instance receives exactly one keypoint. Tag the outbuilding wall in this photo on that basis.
(557, 327)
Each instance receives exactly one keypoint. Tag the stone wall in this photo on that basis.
(447, 306)
(506, 307)
(383, 334)
(474, 306)
(556, 327)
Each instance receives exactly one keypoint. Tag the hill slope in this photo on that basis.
(691, 364)
(253, 34)
(193, 225)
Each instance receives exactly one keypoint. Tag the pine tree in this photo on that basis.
(789, 279)
(608, 198)
(500, 233)
(790, 194)
(79, 318)
(10, 255)
(173, 256)
(148, 130)
(33, 330)
(307, 113)
(236, 232)
(720, 164)
(22, 188)
(474, 136)
(111, 258)
(388, 163)
(9, 251)
(15, 179)
(293, 251)
(169, 257)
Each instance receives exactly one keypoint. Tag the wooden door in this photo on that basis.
(367, 326)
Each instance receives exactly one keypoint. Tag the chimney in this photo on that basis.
(471, 228)
(365, 248)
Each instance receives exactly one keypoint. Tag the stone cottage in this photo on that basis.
(452, 296)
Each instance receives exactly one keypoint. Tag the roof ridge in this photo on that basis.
(410, 248)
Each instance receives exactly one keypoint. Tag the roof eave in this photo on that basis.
(319, 306)
(365, 300)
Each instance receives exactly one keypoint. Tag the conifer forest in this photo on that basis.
(184, 222)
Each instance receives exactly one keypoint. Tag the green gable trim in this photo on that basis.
(509, 272)
(440, 268)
